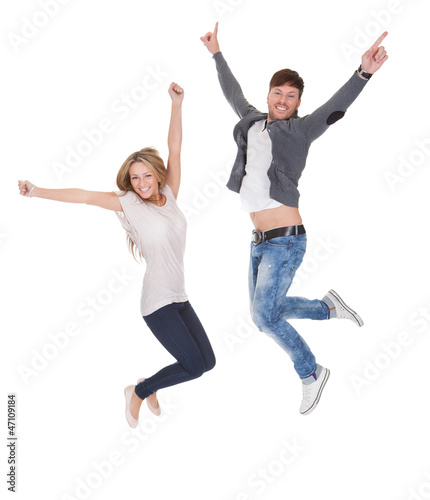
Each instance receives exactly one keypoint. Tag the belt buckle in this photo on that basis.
(257, 237)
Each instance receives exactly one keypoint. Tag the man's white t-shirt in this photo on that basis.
(254, 192)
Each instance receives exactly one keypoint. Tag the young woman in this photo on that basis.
(156, 229)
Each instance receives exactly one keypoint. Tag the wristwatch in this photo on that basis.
(362, 73)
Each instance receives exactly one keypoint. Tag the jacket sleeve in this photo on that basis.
(231, 88)
(334, 109)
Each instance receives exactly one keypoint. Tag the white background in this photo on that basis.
(235, 433)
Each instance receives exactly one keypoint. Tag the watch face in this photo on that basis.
(363, 73)
(256, 237)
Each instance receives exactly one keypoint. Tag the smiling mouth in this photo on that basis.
(280, 108)
(144, 190)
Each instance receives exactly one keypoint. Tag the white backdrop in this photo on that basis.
(85, 84)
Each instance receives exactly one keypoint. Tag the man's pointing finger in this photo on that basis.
(379, 40)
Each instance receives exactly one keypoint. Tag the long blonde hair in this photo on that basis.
(151, 158)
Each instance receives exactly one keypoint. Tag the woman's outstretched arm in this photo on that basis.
(105, 200)
(174, 140)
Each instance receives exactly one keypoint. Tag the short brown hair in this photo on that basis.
(284, 76)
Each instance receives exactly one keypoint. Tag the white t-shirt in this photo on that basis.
(254, 192)
(159, 233)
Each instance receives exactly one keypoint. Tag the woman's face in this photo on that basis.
(143, 180)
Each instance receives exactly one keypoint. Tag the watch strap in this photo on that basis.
(362, 73)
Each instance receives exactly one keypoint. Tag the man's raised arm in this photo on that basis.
(334, 109)
(229, 85)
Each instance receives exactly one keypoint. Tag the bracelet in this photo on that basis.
(362, 73)
(29, 194)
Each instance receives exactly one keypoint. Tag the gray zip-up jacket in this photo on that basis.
(290, 138)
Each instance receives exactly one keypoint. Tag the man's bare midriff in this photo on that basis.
(276, 217)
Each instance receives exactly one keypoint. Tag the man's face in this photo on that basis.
(283, 102)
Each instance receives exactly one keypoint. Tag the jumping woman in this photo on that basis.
(156, 230)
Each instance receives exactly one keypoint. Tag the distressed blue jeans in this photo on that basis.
(273, 265)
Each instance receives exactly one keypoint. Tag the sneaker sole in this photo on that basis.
(324, 382)
(351, 311)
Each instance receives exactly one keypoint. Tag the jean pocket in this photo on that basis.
(280, 241)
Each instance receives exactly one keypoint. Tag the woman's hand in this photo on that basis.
(176, 93)
(174, 139)
(25, 188)
(107, 200)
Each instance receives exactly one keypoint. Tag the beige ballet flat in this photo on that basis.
(128, 391)
(155, 411)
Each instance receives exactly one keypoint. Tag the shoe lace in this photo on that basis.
(306, 392)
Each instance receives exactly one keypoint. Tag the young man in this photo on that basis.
(271, 156)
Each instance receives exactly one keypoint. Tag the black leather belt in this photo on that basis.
(260, 236)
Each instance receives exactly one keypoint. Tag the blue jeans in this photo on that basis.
(273, 265)
(179, 330)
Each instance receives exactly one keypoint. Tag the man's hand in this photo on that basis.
(210, 41)
(375, 57)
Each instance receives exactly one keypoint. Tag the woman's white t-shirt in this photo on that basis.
(159, 233)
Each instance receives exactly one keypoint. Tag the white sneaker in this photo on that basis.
(342, 310)
(312, 392)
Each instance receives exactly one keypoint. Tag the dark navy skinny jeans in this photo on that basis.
(179, 330)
